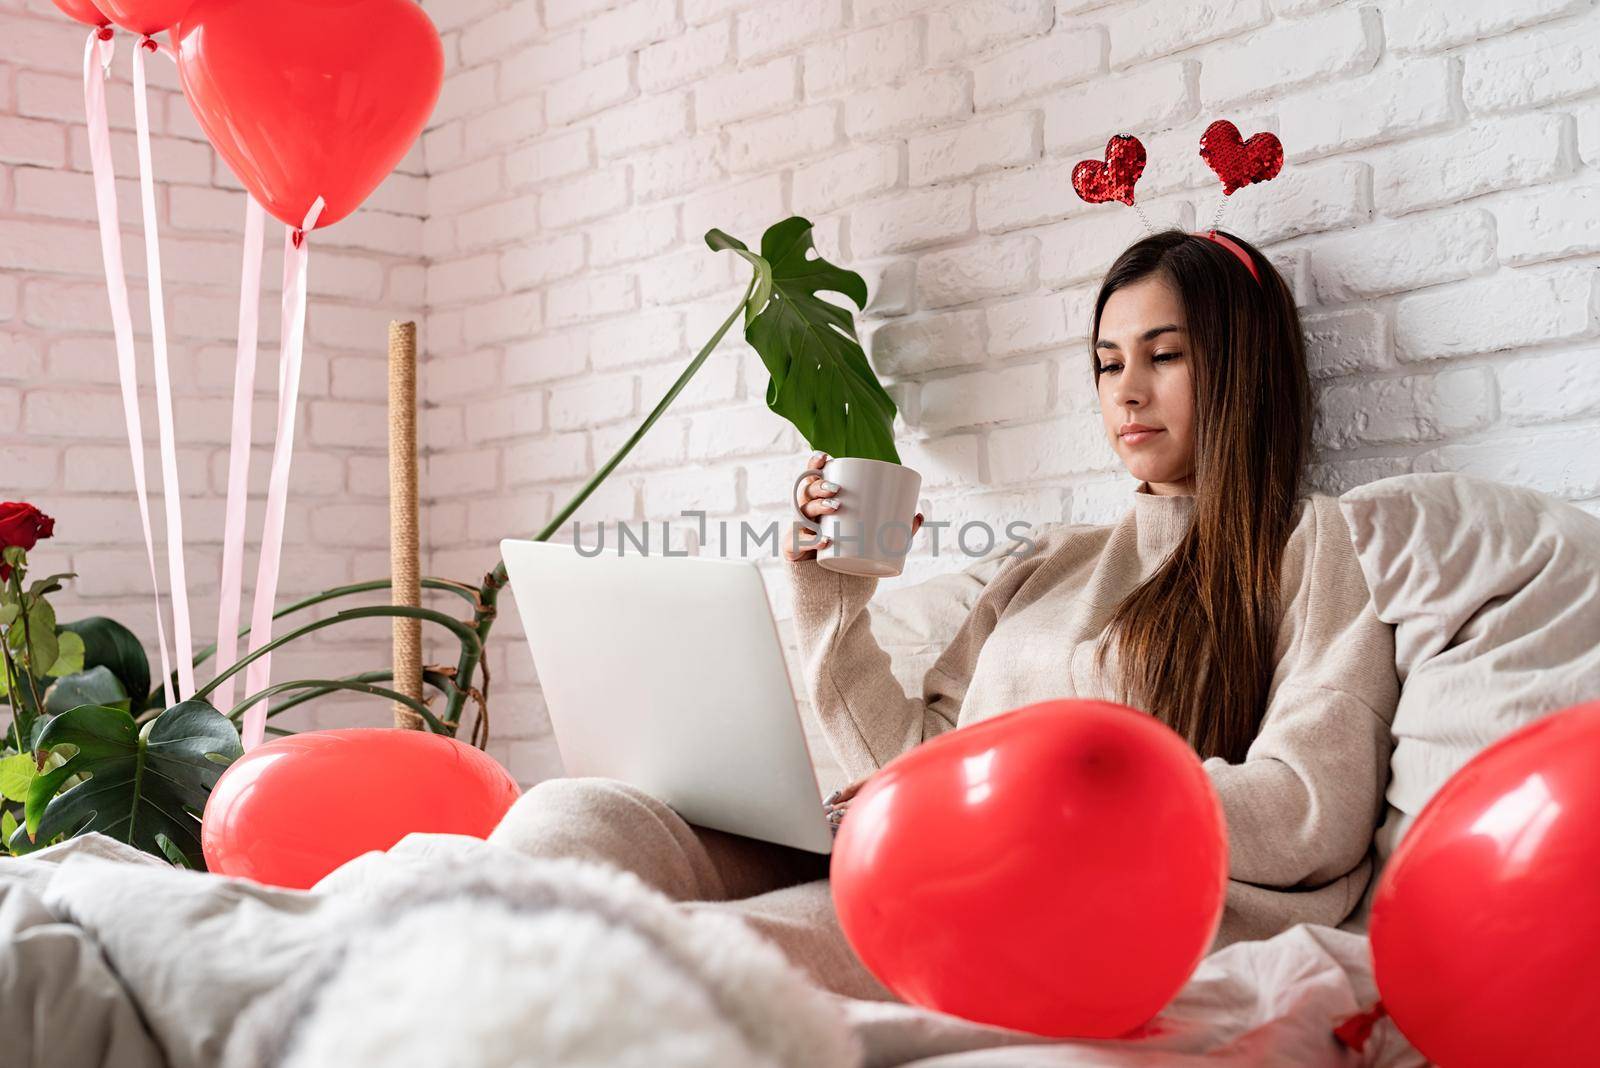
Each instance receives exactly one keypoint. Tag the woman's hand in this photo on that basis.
(815, 498)
(838, 802)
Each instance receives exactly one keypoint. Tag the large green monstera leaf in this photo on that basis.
(146, 787)
(821, 380)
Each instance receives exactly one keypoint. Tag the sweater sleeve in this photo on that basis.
(865, 714)
(1303, 805)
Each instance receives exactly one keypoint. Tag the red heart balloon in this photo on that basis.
(1486, 921)
(1237, 162)
(82, 10)
(293, 809)
(309, 98)
(1058, 869)
(145, 16)
(1113, 179)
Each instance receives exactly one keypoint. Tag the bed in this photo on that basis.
(448, 950)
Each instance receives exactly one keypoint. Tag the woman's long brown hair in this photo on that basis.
(1196, 642)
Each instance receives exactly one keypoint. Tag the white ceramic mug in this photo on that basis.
(877, 503)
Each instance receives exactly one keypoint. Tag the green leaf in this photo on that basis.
(821, 380)
(142, 785)
(762, 292)
(96, 686)
(174, 856)
(9, 612)
(69, 655)
(16, 774)
(15, 555)
(49, 584)
(109, 644)
(43, 646)
(36, 731)
(8, 826)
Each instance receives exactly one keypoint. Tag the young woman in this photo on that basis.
(1225, 601)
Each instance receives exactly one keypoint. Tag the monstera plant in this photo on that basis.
(95, 752)
(821, 381)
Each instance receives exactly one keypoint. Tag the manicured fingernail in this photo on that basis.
(829, 487)
(817, 455)
(830, 504)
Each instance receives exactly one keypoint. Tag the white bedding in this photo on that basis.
(449, 951)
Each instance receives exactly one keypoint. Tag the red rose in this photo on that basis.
(21, 525)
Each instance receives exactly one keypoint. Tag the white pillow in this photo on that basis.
(1494, 591)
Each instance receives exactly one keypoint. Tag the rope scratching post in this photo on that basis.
(403, 552)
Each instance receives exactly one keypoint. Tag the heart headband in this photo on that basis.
(1236, 161)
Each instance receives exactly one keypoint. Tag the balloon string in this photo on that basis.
(296, 257)
(105, 190)
(183, 644)
(244, 384)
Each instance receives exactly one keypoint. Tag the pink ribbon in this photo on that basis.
(296, 254)
(105, 192)
(244, 384)
(170, 491)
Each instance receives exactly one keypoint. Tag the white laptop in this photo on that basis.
(667, 672)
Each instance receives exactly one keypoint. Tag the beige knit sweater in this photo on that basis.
(1302, 807)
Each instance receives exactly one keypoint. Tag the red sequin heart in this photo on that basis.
(1113, 179)
(1238, 162)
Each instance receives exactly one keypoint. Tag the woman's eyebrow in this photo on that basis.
(1149, 335)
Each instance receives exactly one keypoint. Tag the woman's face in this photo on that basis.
(1144, 358)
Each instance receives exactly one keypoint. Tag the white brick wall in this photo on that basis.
(1437, 218)
(62, 439)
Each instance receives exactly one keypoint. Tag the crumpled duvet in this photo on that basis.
(1272, 1002)
(451, 951)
